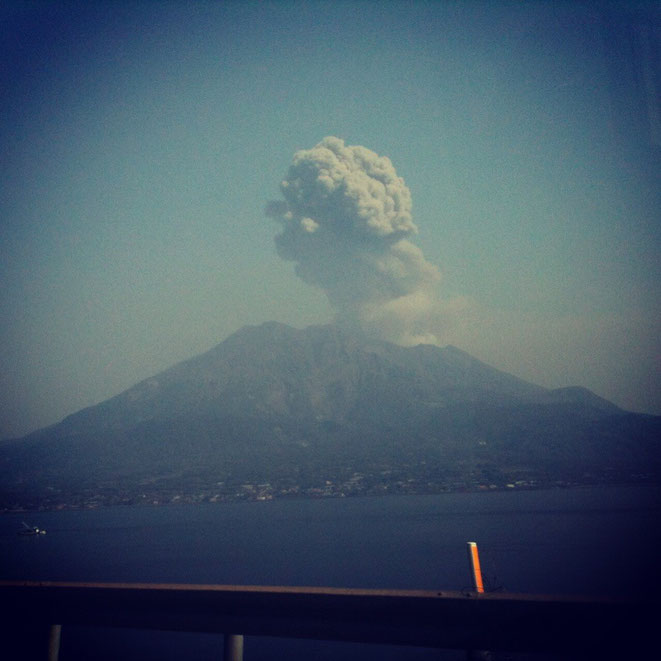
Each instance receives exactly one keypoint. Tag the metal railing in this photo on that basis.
(591, 628)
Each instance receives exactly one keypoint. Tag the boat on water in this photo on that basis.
(31, 530)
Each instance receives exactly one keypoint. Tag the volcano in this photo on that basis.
(275, 410)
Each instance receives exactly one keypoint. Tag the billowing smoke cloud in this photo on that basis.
(346, 223)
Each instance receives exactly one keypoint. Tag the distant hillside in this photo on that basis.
(325, 411)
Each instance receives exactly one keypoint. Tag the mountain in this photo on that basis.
(275, 410)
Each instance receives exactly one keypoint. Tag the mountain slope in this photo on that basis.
(291, 408)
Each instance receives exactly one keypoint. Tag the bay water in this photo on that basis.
(592, 541)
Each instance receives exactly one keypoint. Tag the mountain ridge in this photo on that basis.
(301, 407)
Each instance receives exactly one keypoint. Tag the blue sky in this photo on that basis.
(141, 142)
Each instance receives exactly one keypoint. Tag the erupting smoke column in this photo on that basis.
(346, 221)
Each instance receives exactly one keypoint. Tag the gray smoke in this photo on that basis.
(346, 223)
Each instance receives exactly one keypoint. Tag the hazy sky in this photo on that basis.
(141, 141)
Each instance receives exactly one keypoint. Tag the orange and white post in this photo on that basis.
(478, 586)
(476, 572)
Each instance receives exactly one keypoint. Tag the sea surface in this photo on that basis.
(593, 541)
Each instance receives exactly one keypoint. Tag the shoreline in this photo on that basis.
(318, 494)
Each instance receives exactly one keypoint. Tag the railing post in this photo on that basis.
(478, 586)
(54, 633)
(476, 572)
(233, 649)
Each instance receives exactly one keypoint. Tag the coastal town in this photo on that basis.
(177, 489)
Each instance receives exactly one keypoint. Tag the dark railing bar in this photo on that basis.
(592, 627)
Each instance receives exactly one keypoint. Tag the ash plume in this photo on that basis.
(346, 223)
